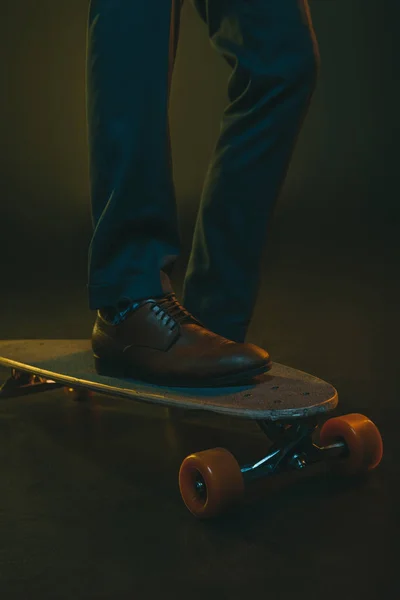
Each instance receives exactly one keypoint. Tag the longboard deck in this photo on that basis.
(281, 393)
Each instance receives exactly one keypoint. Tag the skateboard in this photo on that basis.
(289, 406)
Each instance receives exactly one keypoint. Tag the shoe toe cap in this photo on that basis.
(248, 356)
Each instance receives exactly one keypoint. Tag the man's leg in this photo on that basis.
(129, 67)
(272, 49)
(141, 330)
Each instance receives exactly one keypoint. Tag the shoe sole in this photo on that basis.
(107, 369)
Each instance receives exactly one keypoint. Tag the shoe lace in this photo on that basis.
(172, 312)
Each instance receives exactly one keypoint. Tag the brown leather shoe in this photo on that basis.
(159, 341)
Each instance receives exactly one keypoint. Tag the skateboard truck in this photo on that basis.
(212, 480)
(293, 449)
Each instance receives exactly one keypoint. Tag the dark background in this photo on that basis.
(329, 305)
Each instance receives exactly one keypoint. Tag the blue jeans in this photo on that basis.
(273, 52)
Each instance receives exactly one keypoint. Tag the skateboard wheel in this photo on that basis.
(210, 481)
(362, 439)
(79, 395)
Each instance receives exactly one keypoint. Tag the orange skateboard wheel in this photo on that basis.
(362, 438)
(210, 481)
